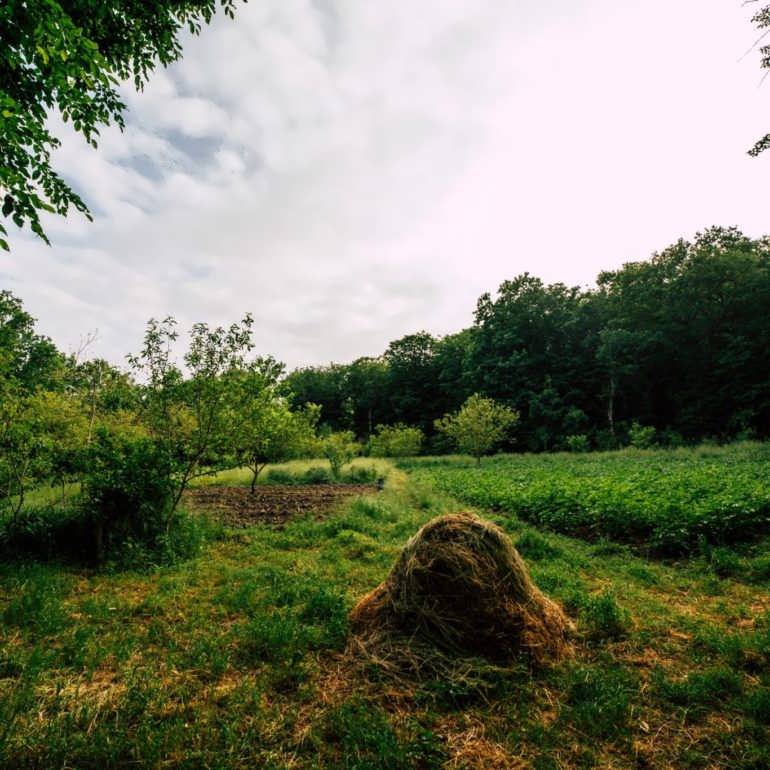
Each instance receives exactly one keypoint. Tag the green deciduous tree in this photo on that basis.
(41, 437)
(478, 426)
(26, 357)
(264, 427)
(339, 449)
(188, 416)
(68, 57)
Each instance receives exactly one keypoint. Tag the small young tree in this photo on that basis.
(480, 425)
(23, 446)
(339, 449)
(41, 436)
(396, 441)
(264, 428)
(188, 417)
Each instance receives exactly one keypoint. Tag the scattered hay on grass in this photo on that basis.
(458, 591)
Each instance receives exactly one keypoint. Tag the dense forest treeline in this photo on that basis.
(680, 343)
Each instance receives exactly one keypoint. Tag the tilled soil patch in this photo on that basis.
(271, 503)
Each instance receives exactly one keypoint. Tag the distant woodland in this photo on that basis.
(679, 343)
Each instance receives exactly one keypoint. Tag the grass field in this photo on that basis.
(235, 658)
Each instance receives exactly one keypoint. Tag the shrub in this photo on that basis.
(127, 490)
(362, 474)
(280, 476)
(396, 441)
(316, 475)
(577, 443)
(641, 436)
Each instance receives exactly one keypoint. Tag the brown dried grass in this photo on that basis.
(459, 588)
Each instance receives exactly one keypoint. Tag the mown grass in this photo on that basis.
(234, 659)
(670, 501)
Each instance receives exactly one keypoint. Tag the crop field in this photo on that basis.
(236, 657)
(666, 501)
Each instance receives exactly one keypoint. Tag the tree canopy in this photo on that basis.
(677, 342)
(762, 20)
(69, 57)
(478, 426)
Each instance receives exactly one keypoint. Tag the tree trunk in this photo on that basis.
(256, 469)
(19, 505)
(611, 407)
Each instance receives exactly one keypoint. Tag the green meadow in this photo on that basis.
(236, 657)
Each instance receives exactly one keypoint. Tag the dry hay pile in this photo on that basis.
(458, 589)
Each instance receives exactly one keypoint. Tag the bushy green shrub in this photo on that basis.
(127, 491)
(577, 443)
(280, 476)
(641, 436)
(360, 474)
(396, 441)
(479, 425)
(316, 475)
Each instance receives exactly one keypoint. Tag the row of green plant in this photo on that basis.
(670, 501)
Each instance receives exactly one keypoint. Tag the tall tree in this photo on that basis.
(532, 342)
(326, 387)
(26, 357)
(413, 379)
(68, 57)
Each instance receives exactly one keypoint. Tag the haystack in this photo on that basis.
(461, 588)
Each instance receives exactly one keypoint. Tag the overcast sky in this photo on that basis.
(353, 171)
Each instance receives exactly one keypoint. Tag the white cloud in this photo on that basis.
(351, 172)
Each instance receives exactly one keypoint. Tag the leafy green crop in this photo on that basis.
(667, 500)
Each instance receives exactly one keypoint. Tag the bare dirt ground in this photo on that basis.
(271, 503)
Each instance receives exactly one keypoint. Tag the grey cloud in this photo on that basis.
(351, 172)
